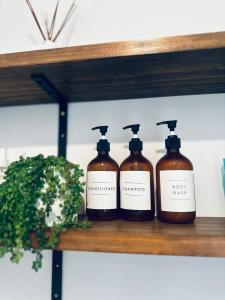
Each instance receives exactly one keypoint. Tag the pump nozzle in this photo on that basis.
(135, 128)
(103, 144)
(103, 129)
(171, 124)
(135, 143)
(172, 141)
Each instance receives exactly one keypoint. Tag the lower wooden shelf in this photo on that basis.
(206, 237)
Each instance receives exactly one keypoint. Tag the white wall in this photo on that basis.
(201, 126)
(104, 20)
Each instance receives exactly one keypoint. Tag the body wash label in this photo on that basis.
(135, 190)
(102, 190)
(177, 191)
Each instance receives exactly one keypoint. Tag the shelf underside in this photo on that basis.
(206, 237)
(123, 70)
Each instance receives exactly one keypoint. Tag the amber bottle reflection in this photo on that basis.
(175, 183)
(102, 183)
(136, 183)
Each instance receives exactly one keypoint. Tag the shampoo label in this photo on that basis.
(102, 190)
(177, 191)
(135, 190)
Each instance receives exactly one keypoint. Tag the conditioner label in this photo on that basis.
(135, 190)
(101, 190)
(177, 191)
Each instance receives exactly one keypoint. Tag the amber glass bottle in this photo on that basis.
(175, 183)
(102, 183)
(136, 183)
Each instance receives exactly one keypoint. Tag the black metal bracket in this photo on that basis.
(48, 87)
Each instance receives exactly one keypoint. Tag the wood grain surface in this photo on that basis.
(206, 237)
(115, 49)
(182, 65)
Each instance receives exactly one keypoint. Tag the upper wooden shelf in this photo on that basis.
(206, 237)
(181, 65)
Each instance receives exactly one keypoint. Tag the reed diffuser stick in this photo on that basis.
(47, 29)
(35, 18)
(66, 20)
(53, 20)
(50, 31)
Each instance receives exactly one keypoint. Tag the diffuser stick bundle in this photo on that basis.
(50, 36)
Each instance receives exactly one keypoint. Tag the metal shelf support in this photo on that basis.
(57, 256)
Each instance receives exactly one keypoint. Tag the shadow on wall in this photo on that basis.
(199, 118)
(33, 125)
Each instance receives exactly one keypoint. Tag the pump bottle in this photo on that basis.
(102, 182)
(136, 182)
(175, 182)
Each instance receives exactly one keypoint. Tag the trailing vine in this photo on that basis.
(32, 187)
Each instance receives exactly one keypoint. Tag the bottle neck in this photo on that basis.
(103, 154)
(173, 151)
(135, 152)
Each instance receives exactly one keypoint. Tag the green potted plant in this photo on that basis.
(38, 193)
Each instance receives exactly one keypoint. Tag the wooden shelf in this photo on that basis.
(206, 237)
(182, 65)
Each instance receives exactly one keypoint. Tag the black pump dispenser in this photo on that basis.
(103, 144)
(172, 141)
(135, 143)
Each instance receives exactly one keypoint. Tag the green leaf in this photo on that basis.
(31, 181)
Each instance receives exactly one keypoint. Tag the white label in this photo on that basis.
(102, 190)
(135, 191)
(177, 191)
